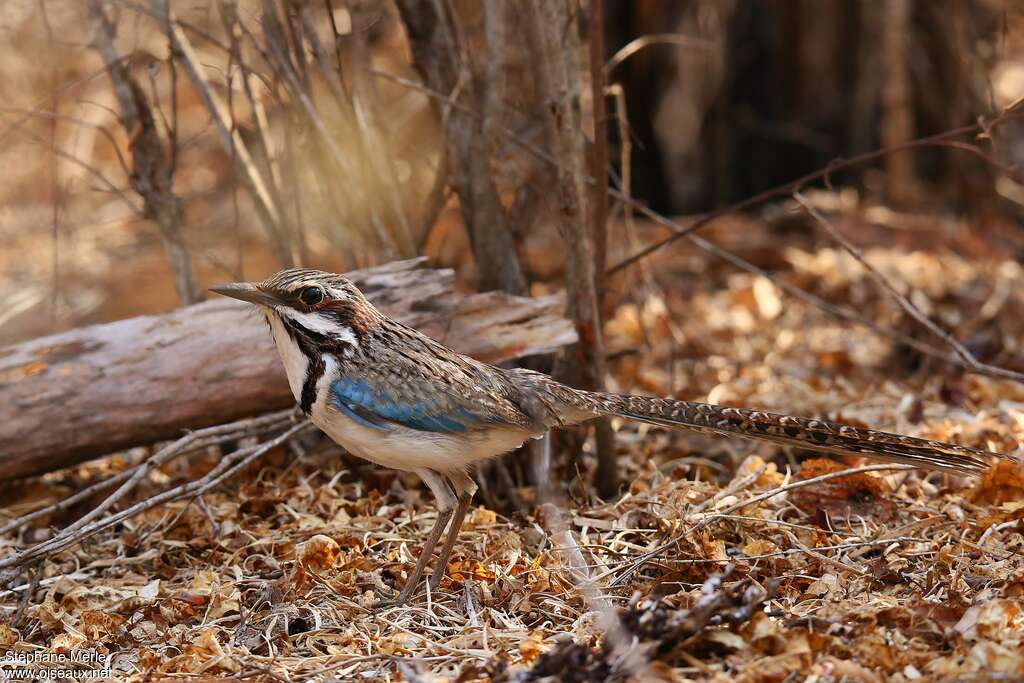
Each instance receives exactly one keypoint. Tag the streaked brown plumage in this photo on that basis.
(801, 432)
(392, 395)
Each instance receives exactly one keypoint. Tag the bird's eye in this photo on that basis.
(311, 296)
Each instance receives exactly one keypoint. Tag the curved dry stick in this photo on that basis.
(785, 488)
(77, 533)
(187, 444)
(88, 168)
(637, 44)
(54, 116)
(842, 312)
(51, 97)
(631, 660)
(939, 139)
(966, 357)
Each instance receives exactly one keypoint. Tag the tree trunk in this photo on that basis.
(558, 74)
(897, 125)
(442, 60)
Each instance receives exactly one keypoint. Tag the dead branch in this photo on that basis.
(966, 358)
(231, 138)
(433, 37)
(843, 312)
(718, 603)
(718, 514)
(90, 525)
(637, 44)
(203, 438)
(55, 116)
(90, 169)
(654, 630)
(615, 636)
(983, 127)
(557, 73)
(72, 396)
(152, 173)
(813, 481)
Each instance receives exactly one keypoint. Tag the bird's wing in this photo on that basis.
(420, 385)
(375, 402)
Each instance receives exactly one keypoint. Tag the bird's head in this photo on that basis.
(322, 307)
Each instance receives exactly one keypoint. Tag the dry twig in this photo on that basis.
(152, 172)
(965, 357)
(93, 523)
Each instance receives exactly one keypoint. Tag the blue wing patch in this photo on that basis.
(372, 408)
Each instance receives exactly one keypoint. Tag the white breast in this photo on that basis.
(401, 448)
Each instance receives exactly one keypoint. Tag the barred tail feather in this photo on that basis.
(801, 432)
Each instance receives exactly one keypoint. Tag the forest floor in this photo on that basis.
(691, 573)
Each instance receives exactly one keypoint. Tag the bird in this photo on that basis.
(392, 395)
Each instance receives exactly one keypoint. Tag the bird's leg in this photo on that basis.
(445, 500)
(465, 487)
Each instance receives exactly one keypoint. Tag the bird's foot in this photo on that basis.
(386, 603)
(408, 590)
(396, 598)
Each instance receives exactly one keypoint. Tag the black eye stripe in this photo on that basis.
(311, 296)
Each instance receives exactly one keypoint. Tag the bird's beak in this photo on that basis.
(245, 291)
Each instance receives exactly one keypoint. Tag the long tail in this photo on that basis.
(802, 432)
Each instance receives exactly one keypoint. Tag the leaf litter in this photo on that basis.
(714, 564)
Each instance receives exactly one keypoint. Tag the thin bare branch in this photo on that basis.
(88, 168)
(939, 139)
(230, 137)
(966, 358)
(152, 176)
(637, 44)
(201, 438)
(78, 532)
(102, 130)
(746, 502)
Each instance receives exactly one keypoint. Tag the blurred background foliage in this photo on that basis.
(287, 132)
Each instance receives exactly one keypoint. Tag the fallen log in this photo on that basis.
(92, 391)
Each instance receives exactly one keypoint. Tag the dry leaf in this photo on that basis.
(8, 636)
(100, 625)
(1001, 483)
(530, 648)
(461, 570)
(860, 494)
(66, 642)
(991, 620)
(319, 553)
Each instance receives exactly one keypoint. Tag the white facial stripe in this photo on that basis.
(315, 322)
(337, 293)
